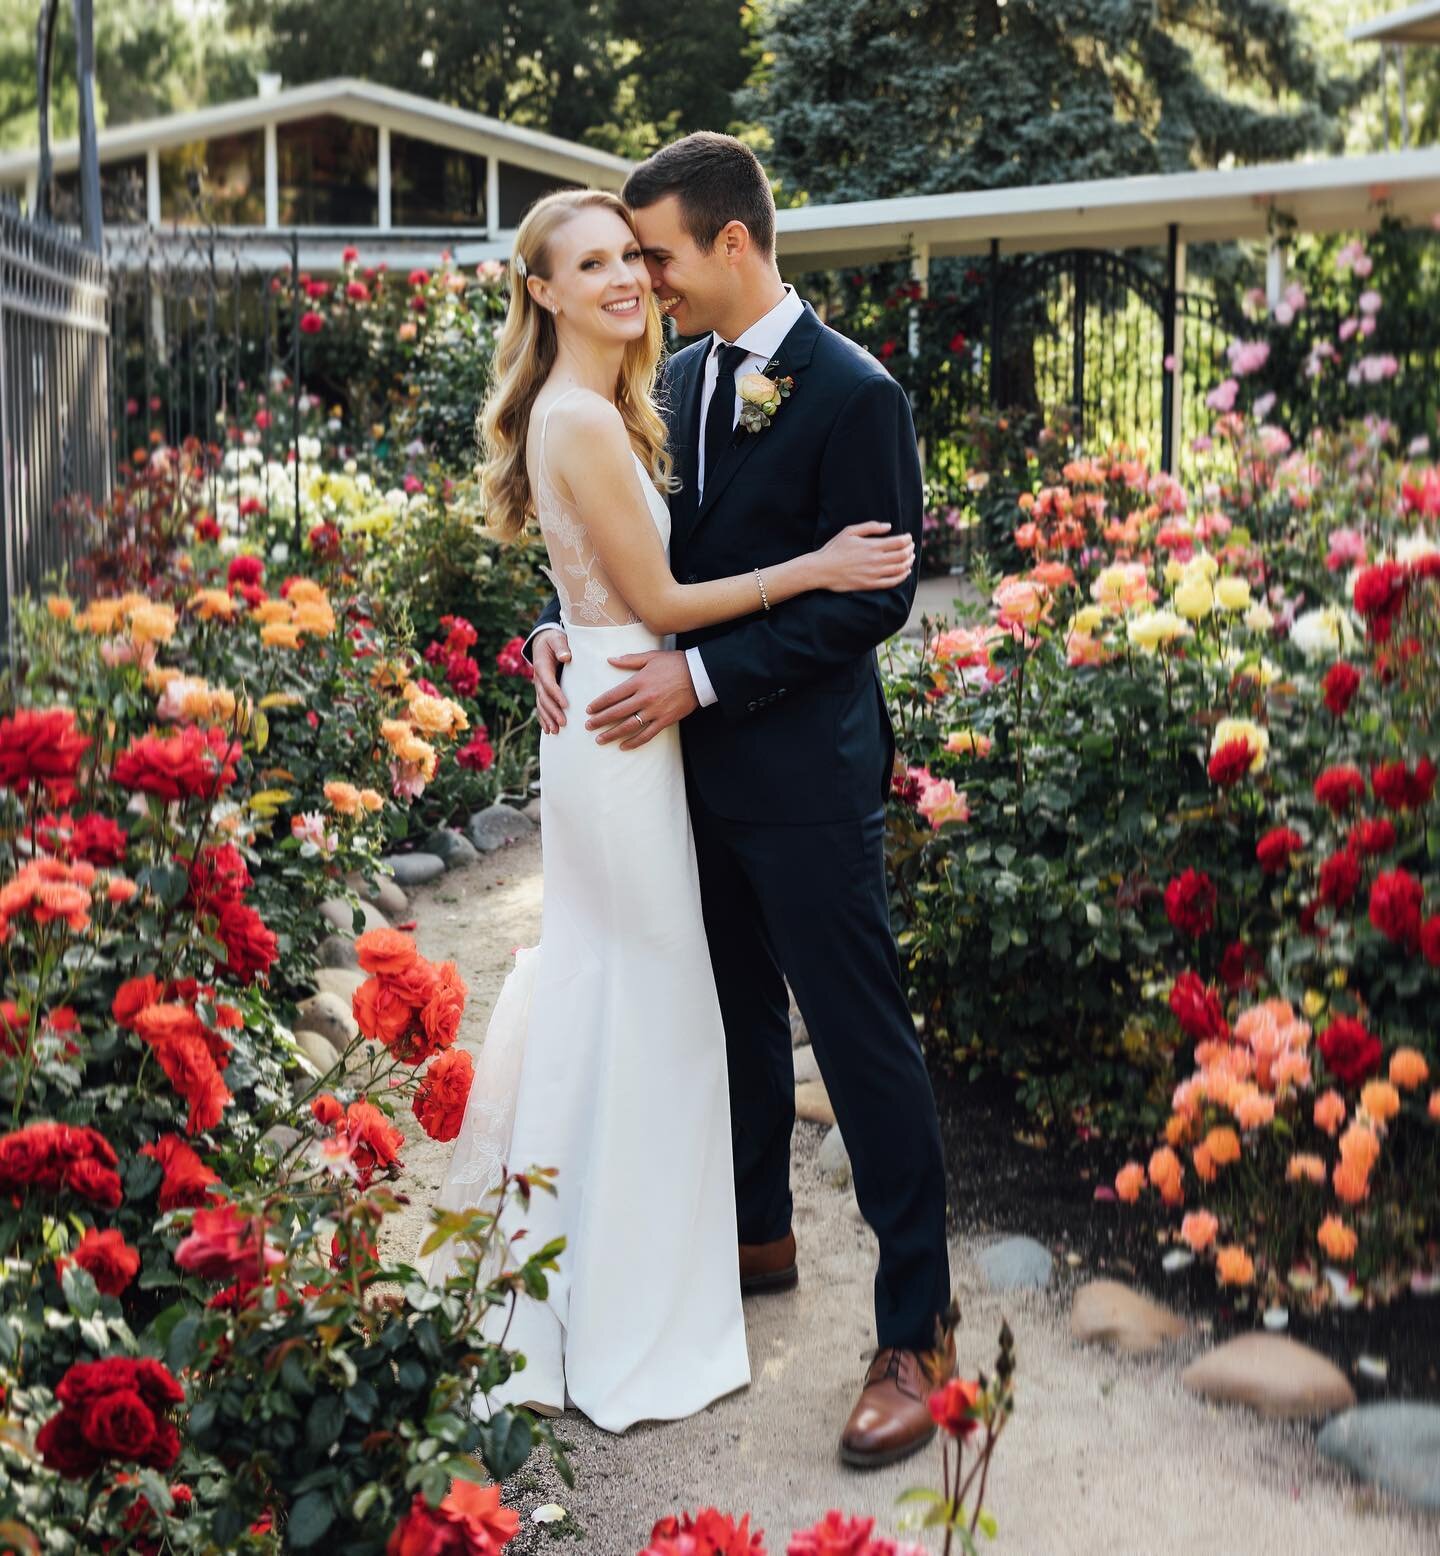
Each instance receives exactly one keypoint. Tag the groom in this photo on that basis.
(788, 746)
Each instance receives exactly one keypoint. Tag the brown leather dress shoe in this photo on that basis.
(891, 1419)
(768, 1266)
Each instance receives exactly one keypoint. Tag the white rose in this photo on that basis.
(756, 389)
(1323, 632)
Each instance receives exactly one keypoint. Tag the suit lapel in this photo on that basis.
(793, 357)
(684, 443)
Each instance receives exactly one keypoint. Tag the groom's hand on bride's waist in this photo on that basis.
(661, 693)
(550, 654)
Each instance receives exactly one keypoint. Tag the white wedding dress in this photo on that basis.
(605, 1059)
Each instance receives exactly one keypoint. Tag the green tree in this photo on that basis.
(865, 98)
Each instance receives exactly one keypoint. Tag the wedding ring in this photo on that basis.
(638, 720)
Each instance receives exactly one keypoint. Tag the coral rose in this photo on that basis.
(1380, 1100)
(1223, 1144)
(1254, 1110)
(1305, 1166)
(439, 1102)
(326, 1110)
(186, 1182)
(1337, 1239)
(1434, 1108)
(386, 952)
(1234, 1267)
(1329, 1112)
(1129, 1181)
(1204, 1163)
(1360, 1146)
(1408, 1069)
(1351, 1182)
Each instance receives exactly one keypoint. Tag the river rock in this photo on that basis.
(812, 1103)
(1395, 1444)
(340, 915)
(342, 982)
(415, 869)
(385, 894)
(799, 1037)
(807, 1068)
(532, 811)
(278, 1139)
(1107, 1312)
(337, 951)
(451, 846)
(1016, 1264)
(330, 1016)
(318, 1050)
(834, 1159)
(496, 826)
(1272, 1374)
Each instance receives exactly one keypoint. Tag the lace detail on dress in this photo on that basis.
(587, 597)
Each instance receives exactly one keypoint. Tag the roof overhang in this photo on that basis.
(1335, 195)
(1415, 24)
(351, 99)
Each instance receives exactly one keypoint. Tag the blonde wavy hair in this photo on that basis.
(525, 354)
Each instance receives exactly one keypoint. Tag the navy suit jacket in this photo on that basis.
(800, 733)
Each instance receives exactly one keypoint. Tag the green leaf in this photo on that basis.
(505, 1444)
(310, 1517)
(82, 1296)
(183, 1343)
(325, 1422)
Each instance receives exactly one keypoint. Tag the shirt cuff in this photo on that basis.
(704, 691)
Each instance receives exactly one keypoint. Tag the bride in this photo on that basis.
(605, 1055)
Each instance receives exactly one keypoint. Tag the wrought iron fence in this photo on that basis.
(54, 436)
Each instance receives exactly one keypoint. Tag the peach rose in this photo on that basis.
(1129, 1181)
(1380, 1100)
(1177, 1129)
(345, 797)
(1223, 1145)
(1198, 1229)
(1292, 1069)
(1361, 1146)
(1351, 1182)
(1408, 1069)
(1204, 1164)
(1434, 1109)
(1234, 1266)
(1303, 1165)
(1329, 1112)
(1337, 1239)
(372, 799)
(279, 634)
(1254, 1110)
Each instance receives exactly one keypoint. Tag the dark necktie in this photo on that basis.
(720, 417)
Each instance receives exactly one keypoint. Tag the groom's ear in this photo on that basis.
(734, 241)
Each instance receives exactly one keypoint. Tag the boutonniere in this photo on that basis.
(761, 394)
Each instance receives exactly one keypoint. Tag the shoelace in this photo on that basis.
(892, 1369)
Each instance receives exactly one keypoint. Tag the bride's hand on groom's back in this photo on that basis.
(549, 656)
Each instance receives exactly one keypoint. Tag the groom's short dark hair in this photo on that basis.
(717, 179)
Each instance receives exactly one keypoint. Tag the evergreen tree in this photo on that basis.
(866, 98)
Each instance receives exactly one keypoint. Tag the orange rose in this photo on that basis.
(1434, 1108)
(1351, 1182)
(1380, 1100)
(1408, 1069)
(387, 952)
(327, 1110)
(441, 1015)
(1223, 1145)
(1204, 1162)
(1310, 1168)
(1234, 1266)
(1129, 1181)
(440, 1100)
(1337, 1239)
(1198, 1230)
(380, 1013)
(345, 797)
(1177, 1129)
(1360, 1146)
(1329, 1112)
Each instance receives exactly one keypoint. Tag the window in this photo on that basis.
(521, 187)
(434, 186)
(329, 173)
(220, 181)
(122, 193)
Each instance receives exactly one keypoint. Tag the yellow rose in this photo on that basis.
(1202, 564)
(279, 634)
(967, 742)
(1149, 631)
(1313, 1003)
(395, 732)
(1194, 599)
(372, 799)
(1174, 572)
(151, 623)
(209, 604)
(1088, 620)
(756, 389)
(316, 619)
(1232, 594)
(271, 610)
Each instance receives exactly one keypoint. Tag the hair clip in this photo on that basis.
(521, 266)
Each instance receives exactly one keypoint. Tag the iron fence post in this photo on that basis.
(1170, 366)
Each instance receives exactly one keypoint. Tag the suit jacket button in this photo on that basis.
(751, 707)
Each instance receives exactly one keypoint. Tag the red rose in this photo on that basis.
(1395, 900)
(224, 1245)
(1197, 1008)
(511, 660)
(1239, 966)
(1341, 683)
(1398, 788)
(311, 323)
(463, 674)
(41, 745)
(111, 1261)
(1430, 939)
(1339, 878)
(951, 1407)
(439, 1102)
(326, 1110)
(477, 753)
(112, 1409)
(98, 840)
(1379, 594)
(374, 1140)
(442, 1012)
(1372, 837)
(63, 1446)
(1351, 1054)
(425, 1531)
(1275, 848)
(192, 762)
(94, 1181)
(187, 1181)
(250, 947)
(1190, 903)
(1230, 763)
(120, 1425)
(247, 570)
(1339, 787)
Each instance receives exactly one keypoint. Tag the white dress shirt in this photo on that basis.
(761, 341)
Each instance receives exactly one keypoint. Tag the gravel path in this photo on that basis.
(1103, 1455)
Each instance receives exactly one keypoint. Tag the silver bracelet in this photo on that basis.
(764, 598)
